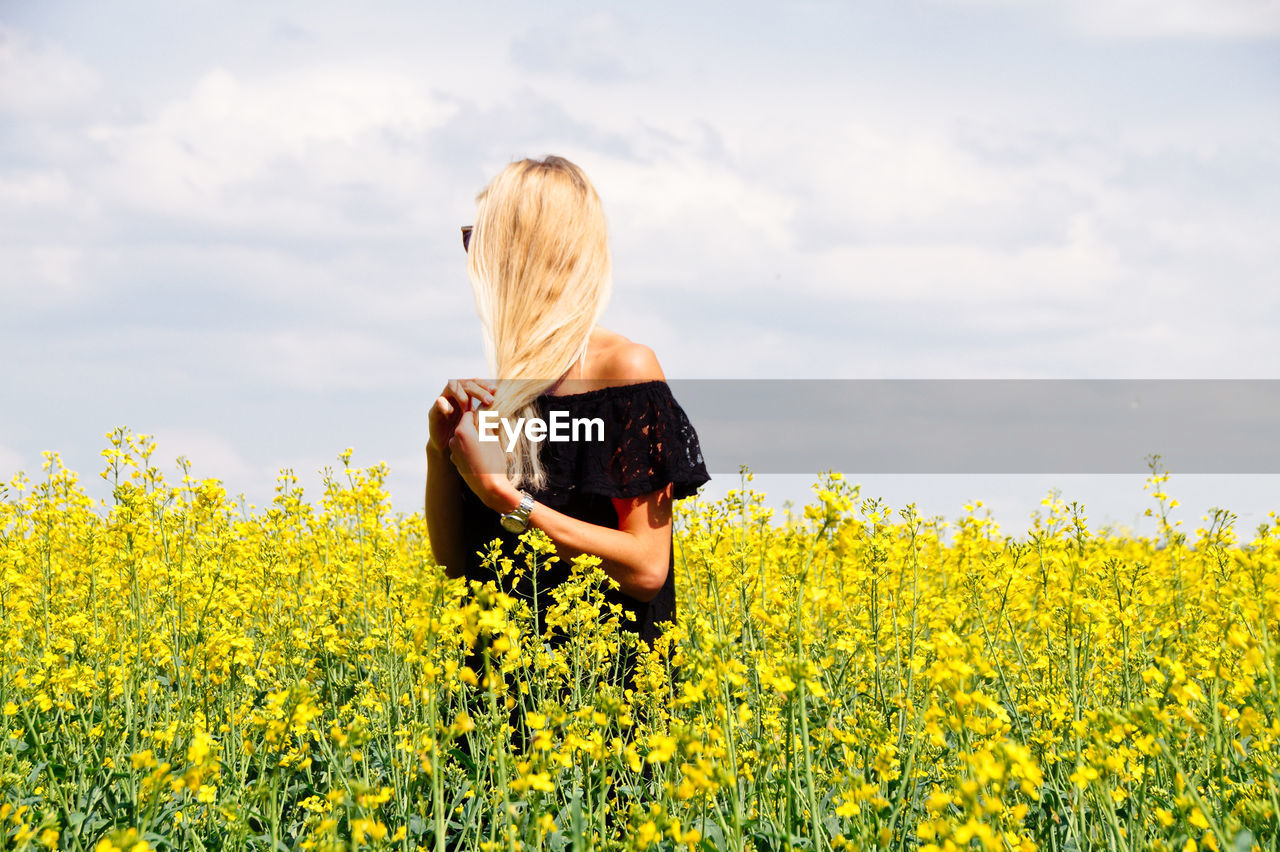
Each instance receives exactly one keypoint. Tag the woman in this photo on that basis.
(538, 260)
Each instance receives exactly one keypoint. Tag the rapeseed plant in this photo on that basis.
(182, 672)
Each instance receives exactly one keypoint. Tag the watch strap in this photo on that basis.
(517, 520)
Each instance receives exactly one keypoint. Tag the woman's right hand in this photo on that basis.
(449, 407)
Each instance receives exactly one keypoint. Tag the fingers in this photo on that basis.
(467, 427)
(480, 390)
(459, 433)
(458, 397)
(462, 444)
(471, 455)
(457, 394)
(463, 391)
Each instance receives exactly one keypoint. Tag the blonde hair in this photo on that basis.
(540, 268)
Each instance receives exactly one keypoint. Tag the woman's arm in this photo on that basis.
(444, 485)
(637, 554)
(444, 512)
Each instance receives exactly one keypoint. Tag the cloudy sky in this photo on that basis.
(239, 232)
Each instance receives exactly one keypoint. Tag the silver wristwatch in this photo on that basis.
(517, 520)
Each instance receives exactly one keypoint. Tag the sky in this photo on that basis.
(235, 227)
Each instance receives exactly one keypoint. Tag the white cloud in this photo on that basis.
(1075, 272)
(870, 212)
(914, 202)
(594, 46)
(253, 152)
(704, 215)
(1154, 19)
(211, 456)
(35, 187)
(41, 274)
(321, 359)
(40, 79)
(1209, 19)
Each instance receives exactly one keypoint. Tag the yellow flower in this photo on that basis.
(848, 809)
(646, 834)
(661, 748)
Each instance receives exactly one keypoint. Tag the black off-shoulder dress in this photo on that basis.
(648, 443)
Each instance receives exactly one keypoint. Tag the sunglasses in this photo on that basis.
(466, 237)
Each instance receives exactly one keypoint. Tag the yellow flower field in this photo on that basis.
(181, 673)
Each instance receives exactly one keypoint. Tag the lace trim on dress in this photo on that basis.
(648, 443)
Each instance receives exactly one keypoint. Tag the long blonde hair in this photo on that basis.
(540, 268)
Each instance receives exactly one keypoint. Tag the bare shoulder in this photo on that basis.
(624, 361)
(632, 362)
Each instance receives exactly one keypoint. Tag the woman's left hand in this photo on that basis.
(482, 465)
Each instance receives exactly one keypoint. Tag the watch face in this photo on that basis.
(512, 524)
